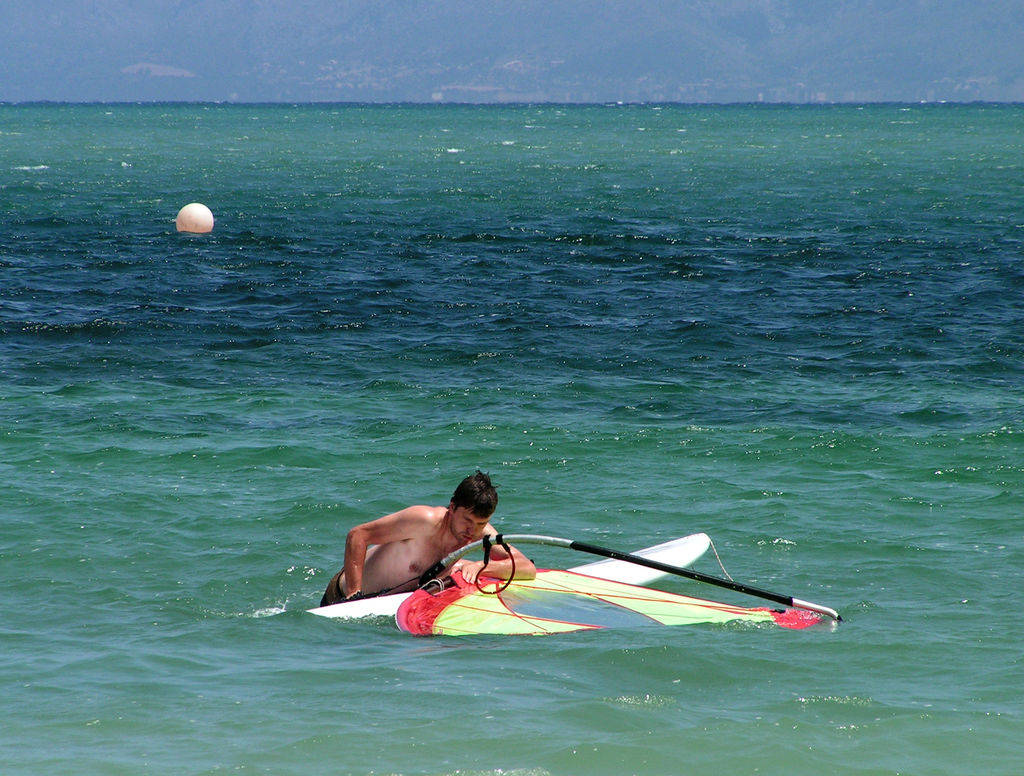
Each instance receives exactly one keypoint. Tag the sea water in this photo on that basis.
(798, 329)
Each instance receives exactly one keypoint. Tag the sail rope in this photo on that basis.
(720, 564)
(487, 559)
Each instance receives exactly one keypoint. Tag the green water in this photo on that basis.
(797, 329)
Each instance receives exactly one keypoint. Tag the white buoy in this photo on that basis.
(194, 217)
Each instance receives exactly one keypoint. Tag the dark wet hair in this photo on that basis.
(477, 494)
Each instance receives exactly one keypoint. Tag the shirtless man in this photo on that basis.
(391, 552)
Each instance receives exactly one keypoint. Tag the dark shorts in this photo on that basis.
(333, 594)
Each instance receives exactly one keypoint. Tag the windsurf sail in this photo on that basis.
(650, 563)
(565, 601)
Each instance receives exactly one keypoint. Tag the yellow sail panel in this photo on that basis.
(483, 613)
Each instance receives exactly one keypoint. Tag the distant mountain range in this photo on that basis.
(512, 50)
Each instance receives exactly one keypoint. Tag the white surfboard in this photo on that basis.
(678, 552)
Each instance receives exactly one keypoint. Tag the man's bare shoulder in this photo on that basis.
(422, 512)
(406, 523)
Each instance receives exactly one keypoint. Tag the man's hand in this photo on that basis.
(470, 570)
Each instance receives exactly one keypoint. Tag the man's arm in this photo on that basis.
(390, 528)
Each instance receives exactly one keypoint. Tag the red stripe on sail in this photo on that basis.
(794, 619)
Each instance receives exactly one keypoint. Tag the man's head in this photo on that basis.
(477, 494)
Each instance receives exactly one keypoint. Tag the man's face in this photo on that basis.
(466, 526)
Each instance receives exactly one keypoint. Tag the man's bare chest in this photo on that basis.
(410, 557)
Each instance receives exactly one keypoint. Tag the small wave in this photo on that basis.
(100, 326)
(269, 611)
(777, 541)
(32, 168)
(646, 700)
(841, 700)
